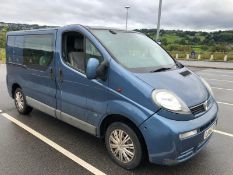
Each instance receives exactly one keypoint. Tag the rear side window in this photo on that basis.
(38, 51)
(18, 49)
(10, 48)
(15, 49)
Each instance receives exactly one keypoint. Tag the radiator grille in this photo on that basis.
(198, 109)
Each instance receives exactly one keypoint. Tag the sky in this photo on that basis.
(176, 14)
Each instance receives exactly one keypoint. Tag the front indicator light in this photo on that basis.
(187, 134)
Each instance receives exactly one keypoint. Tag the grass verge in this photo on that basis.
(3, 55)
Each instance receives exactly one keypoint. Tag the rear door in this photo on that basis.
(40, 86)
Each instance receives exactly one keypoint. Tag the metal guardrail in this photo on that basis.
(212, 56)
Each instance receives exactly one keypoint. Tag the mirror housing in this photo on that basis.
(179, 64)
(92, 65)
(95, 69)
(159, 42)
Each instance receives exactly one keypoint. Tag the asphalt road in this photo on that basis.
(22, 153)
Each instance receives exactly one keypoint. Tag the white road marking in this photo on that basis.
(223, 133)
(0, 110)
(224, 103)
(221, 88)
(57, 147)
(215, 74)
(218, 80)
(66, 152)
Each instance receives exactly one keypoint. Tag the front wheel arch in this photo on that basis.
(119, 118)
(13, 89)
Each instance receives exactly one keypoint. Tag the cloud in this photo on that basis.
(182, 14)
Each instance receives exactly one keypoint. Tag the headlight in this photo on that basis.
(169, 101)
(207, 86)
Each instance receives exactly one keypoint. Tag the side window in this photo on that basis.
(10, 48)
(92, 52)
(76, 50)
(15, 49)
(18, 49)
(38, 51)
(73, 50)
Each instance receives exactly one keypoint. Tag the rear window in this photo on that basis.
(38, 51)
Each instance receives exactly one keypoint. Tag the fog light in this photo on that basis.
(188, 134)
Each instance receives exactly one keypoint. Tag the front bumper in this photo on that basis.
(162, 137)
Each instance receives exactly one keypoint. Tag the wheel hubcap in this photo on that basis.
(19, 100)
(121, 146)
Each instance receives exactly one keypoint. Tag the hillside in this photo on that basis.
(178, 40)
(15, 26)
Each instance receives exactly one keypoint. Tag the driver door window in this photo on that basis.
(77, 50)
(92, 52)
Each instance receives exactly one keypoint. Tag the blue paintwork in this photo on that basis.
(190, 88)
(162, 136)
(36, 84)
(123, 93)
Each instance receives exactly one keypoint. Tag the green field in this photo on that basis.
(200, 42)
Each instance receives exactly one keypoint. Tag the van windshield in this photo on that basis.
(135, 51)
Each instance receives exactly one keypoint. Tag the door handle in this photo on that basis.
(51, 73)
(60, 75)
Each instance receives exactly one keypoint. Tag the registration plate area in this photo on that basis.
(196, 141)
(209, 131)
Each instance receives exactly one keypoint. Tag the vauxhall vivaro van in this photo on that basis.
(114, 84)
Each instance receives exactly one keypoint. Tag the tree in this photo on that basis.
(182, 41)
(219, 48)
(3, 32)
(164, 41)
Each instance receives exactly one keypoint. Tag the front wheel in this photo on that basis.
(20, 102)
(123, 145)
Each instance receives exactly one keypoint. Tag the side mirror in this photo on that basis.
(102, 70)
(179, 64)
(92, 66)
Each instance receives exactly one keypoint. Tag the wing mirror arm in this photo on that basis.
(95, 69)
(102, 70)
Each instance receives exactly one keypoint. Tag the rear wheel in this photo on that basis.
(20, 102)
(123, 145)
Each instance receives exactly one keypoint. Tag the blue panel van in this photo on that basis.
(117, 85)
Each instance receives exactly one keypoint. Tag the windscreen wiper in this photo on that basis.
(161, 69)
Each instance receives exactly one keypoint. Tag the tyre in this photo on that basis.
(123, 145)
(20, 102)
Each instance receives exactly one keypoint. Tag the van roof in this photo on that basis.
(21, 32)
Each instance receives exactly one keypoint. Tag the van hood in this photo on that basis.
(183, 82)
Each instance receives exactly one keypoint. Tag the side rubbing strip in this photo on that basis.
(40, 106)
(62, 116)
(77, 123)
